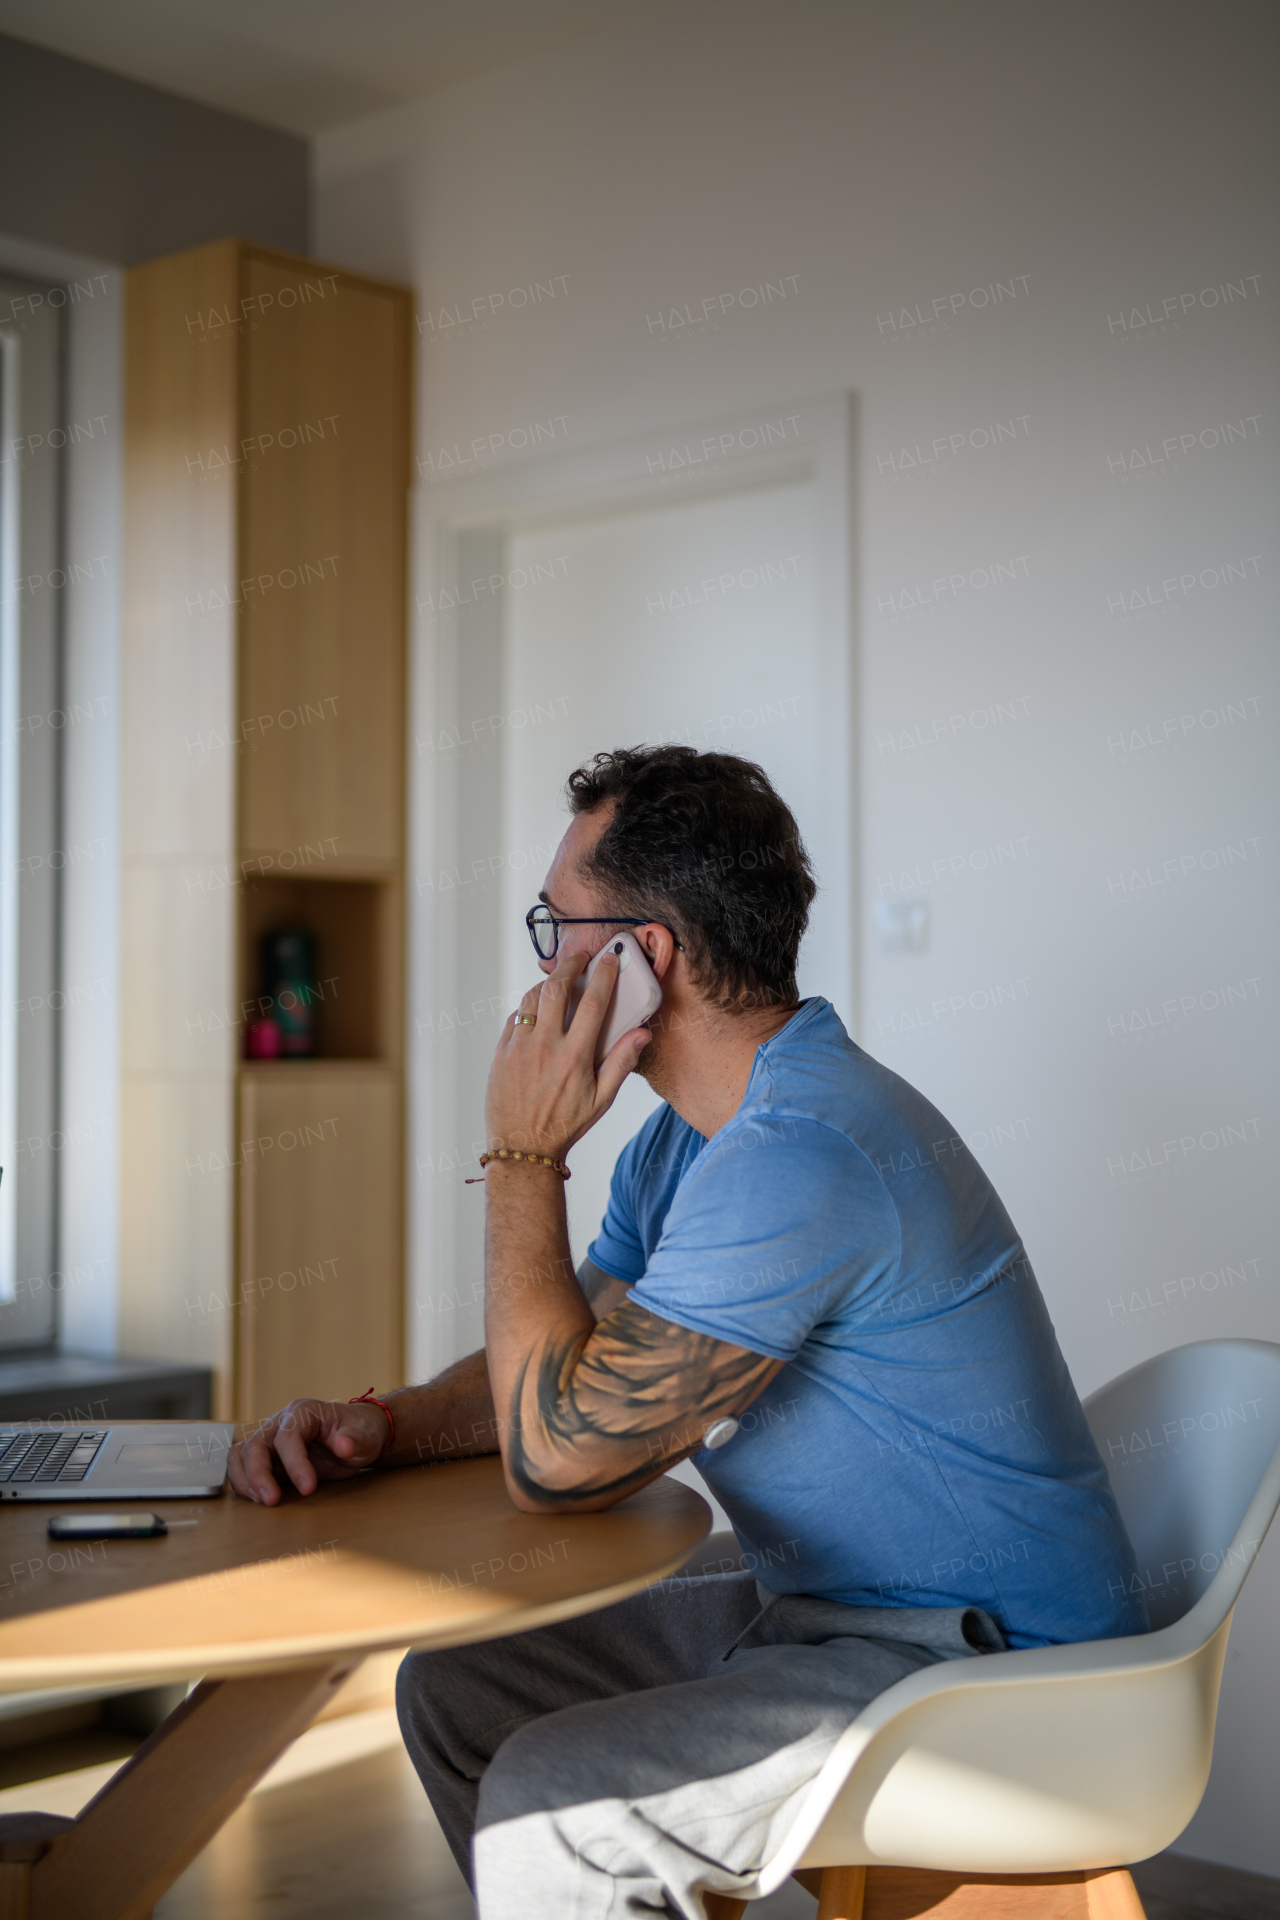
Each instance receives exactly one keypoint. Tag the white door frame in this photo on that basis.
(809, 440)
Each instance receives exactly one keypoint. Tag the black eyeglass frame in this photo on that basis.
(557, 921)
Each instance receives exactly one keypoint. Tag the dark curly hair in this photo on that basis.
(703, 844)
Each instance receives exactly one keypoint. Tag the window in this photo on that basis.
(30, 863)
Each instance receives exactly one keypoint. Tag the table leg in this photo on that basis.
(167, 1802)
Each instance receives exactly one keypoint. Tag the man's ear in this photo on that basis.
(658, 946)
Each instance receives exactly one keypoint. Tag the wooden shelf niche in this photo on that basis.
(358, 934)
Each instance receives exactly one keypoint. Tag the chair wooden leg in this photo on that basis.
(15, 1889)
(1113, 1896)
(916, 1893)
(911, 1893)
(843, 1891)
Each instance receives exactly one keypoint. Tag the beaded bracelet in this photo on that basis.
(533, 1160)
(373, 1400)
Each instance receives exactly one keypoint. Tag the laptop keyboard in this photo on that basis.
(48, 1456)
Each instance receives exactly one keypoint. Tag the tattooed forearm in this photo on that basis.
(598, 1413)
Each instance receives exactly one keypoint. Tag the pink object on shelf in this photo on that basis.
(262, 1040)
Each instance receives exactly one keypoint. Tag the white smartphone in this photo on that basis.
(636, 998)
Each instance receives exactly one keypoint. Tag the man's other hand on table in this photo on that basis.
(312, 1440)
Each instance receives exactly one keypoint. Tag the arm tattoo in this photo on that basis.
(603, 1412)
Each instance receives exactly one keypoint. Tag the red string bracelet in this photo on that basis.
(372, 1397)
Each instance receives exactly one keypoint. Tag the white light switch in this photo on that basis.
(903, 925)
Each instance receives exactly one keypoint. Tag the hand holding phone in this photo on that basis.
(636, 997)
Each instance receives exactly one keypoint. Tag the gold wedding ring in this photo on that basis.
(528, 1019)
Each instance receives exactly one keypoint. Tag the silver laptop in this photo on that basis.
(164, 1460)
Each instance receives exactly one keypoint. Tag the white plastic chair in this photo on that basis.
(1065, 1761)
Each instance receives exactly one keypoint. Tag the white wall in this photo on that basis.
(1067, 558)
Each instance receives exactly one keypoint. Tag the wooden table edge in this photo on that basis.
(290, 1652)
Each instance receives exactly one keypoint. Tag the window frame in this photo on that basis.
(32, 386)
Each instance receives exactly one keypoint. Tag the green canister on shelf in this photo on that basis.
(289, 980)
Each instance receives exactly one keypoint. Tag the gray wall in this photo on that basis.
(105, 166)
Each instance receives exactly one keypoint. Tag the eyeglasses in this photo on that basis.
(544, 928)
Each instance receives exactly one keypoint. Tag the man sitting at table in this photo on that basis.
(795, 1232)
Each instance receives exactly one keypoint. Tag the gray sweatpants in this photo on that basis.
(619, 1764)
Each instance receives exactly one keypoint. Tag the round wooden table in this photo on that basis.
(276, 1607)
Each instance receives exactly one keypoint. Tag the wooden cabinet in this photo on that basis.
(323, 546)
(319, 1243)
(263, 786)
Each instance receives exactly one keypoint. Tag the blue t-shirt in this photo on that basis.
(924, 1444)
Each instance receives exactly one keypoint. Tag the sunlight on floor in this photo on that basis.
(339, 1829)
(355, 1841)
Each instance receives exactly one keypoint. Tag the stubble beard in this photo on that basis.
(652, 1066)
